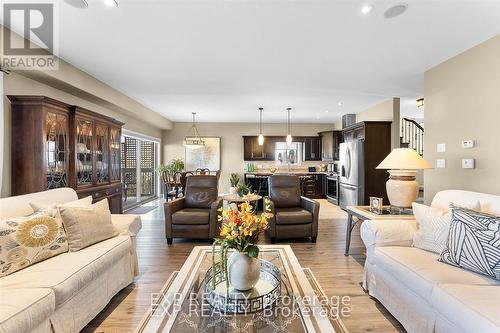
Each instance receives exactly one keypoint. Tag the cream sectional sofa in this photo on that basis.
(65, 292)
(426, 295)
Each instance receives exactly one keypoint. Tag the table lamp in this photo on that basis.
(402, 165)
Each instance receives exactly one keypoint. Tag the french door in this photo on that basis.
(139, 158)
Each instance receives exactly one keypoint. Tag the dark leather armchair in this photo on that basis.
(195, 215)
(294, 216)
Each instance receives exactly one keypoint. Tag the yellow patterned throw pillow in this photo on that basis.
(28, 240)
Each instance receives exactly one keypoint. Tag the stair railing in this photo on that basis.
(412, 135)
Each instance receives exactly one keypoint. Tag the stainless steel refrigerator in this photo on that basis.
(351, 173)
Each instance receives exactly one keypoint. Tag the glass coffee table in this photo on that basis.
(181, 305)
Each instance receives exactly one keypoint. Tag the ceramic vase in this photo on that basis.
(233, 190)
(243, 271)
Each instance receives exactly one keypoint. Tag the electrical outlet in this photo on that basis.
(441, 163)
(468, 144)
(441, 147)
(468, 163)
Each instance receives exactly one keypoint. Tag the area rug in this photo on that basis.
(336, 321)
(142, 210)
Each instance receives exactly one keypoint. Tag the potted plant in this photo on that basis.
(234, 180)
(244, 189)
(167, 171)
(177, 165)
(240, 231)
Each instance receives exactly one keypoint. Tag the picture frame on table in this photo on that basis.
(376, 205)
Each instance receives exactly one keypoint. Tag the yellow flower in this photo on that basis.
(225, 231)
(38, 231)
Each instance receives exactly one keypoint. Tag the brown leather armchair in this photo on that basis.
(195, 215)
(295, 216)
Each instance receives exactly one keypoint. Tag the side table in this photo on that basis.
(363, 213)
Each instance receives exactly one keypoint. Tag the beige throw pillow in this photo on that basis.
(87, 225)
(87, 201)
(27, 240)
(433, 227)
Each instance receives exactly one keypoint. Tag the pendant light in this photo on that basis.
(289, 135)
(193, 141)
(261, 136)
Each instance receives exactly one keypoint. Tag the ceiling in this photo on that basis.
(224, 59)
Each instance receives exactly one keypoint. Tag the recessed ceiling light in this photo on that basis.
(327, 111)
(395, 11)
(340, 103)
(111, 3)
(366, 9)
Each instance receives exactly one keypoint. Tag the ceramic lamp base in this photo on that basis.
(402, 188)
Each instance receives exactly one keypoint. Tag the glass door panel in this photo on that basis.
(129, 171)
(56, 147)
(84, 161)
(114, 139)
(138, 163)
(102, 153)
(148, 176)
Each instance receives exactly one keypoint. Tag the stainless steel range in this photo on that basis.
(332, 188)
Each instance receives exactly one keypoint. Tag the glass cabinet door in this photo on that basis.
(114, 146)
(84, 161)
(102, 153)
(56, 150)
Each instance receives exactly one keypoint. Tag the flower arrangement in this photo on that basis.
(240, 230)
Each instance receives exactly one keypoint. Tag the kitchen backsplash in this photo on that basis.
(265, 165)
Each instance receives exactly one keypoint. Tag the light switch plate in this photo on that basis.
(441, 148)
(468, 163)
(440, 163)
(468, 144)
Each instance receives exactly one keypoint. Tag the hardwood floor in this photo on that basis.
(337, 274)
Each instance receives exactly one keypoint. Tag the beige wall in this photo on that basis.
(16, 84)
(462, 101)
(231, 142)
(381, 111)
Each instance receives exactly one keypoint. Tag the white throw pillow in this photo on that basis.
(433, 227)
(87, 225)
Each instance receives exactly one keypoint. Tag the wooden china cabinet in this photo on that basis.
(55, 144)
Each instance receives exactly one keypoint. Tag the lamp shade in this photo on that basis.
(404, 159)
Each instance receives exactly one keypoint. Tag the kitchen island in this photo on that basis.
(312, 184)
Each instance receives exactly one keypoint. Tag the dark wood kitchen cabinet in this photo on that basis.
(331, 141)
(55, 145)
(252, 151)
(313, 185)
(312, 148)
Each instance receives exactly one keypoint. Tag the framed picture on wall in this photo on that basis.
(206, 157)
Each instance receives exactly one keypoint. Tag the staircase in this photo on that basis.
(412, 135)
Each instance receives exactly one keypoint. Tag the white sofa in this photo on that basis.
(426, 295)
(65, 292)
